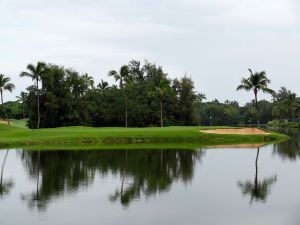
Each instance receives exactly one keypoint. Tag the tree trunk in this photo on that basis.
(126, 107)
(161, 112)
(4, 109)
(256, 109)
(2, 168)
(23, 110)
(38, 103)
(38, 176)
(256, 169)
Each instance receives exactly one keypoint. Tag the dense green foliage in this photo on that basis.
(144, 96)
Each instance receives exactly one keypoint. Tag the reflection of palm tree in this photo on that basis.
(257, 190)
(38, 176)
(142, 173)
(4, 186)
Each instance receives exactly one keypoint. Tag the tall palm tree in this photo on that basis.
(124, 78)
(256, 82)
(160, 91)
(5, 85)
(22, 99)
(36, 73)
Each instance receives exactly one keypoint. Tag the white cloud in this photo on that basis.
(210, 39)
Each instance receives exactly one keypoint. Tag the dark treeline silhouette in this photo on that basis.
(144, 95)
(141, 173)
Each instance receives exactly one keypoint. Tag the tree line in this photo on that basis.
(143, 95)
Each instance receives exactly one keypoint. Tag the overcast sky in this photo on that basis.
(213, 41)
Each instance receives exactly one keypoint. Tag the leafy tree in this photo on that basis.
(248, 112)
(36, 73)
(256, 82)
(217, 113)
(5, 85)
(286, 104)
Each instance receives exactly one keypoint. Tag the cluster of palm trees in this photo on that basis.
(35, 73)
(125, 79)
(257, 81)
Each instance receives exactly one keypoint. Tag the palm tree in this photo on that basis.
(102, 85)
(36, 73)
(5, 85)
(256, 82)
(22, 99)
(160, 91)
(124, 78)
(89, 81)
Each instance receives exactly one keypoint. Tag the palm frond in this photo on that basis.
(31, 68)
(26, 74)
(268, 90)
(9, 87)
(243, 87)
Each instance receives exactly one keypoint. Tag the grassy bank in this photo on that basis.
(17, 135)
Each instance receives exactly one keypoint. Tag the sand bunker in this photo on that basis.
(237, 146)
(3, 122)
(240, 131)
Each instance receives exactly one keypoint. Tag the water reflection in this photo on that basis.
(290, 149)
(142, 172)
(257, 190)
(5, 185)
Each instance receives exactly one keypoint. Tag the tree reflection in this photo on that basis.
(289, 149)
(141, 172)
(258, 190)
(5, 185)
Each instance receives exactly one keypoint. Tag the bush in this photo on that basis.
(283, 124)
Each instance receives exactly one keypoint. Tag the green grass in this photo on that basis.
(17, 135)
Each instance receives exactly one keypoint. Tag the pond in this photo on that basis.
(225, 185)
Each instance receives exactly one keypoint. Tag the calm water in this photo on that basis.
(212, 186)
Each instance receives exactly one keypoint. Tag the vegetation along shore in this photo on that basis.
(17, 135)
(146, 108)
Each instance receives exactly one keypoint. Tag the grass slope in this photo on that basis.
(17, 135)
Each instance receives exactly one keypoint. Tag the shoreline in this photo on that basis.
(126, 138)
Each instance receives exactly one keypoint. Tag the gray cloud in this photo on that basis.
(214, 41)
